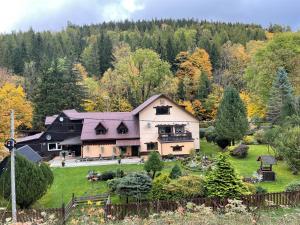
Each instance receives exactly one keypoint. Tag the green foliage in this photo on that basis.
(249, 140)
(281, 103)
(158, 191)
(294, 186)
(31, 184)
(135, 185)
(222, 181)
(175, 172)
(112, 184)
(231, 122)
(107, 175)
(204, 87)
(261, 190)
(153, 164)
(47, 172)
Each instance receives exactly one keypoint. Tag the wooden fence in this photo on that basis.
(144, 209)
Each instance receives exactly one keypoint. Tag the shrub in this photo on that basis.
(295, 186)
(259, 136)
(261, 190)
(47, 172)
(134, 185)
(170, 156)
(120, 173)
(202, 132)
(222, 142)
(250, 188)
(31, 184)
(176, 172)
(158, 191)
(112, 184)
(210, 134)
(222, 181)
(153, 164)
(248, 140)
(107, 175)
(185, 187)
(240, 151)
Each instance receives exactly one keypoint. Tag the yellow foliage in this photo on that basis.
(81, 69)
(12, 97)
(254, 106)
(188, 106)
(200, 59)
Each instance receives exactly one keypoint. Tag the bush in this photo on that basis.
(259, 136)
(250, 188)
(112, 184)
(153, 164)
(158, 191)
(107, 175)
(170, 156)
(202, 132)
(222, 142)
(120, 173)
(261, 190)
(47, 172)
(248, 140)
(240, 151)
(185, 187)
(176, 172)
(210, 134)
(295, 186)
(31, 184)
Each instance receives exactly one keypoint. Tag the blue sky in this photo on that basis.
(54, 14)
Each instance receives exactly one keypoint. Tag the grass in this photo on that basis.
(73, 180)
(246, 167)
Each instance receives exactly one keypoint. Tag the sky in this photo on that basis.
(53, 15)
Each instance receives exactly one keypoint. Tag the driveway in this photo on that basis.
(73, 162)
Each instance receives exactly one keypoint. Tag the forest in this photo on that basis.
(116, 66)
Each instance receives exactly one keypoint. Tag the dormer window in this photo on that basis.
(163, 110)
(100, 129)
(122, 128)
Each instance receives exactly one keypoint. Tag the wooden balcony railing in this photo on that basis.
(172, 137)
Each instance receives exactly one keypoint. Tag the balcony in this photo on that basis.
(179, 137)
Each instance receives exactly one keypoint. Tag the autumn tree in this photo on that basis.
(200, 59)
(231, 122)
(13, 97)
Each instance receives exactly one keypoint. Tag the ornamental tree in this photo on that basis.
(153, 164)
(175, 172)
(222, 181)
(31, 183)
(231, 122)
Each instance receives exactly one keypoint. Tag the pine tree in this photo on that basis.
(231, 122)
(281, 102)
(171, 53)
(222, 181)
(204, 87)
(181, 90)
(153, 164)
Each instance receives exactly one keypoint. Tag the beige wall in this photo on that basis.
(167, 149)
(104, 150)
(176, 116)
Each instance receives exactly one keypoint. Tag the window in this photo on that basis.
(122, 128)
(164, 129)
(100, 129)
(177, 148)
(179, 129)
(152, 146)
(162, 110)
(54, 147)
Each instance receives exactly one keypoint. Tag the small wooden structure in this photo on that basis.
(266, 163)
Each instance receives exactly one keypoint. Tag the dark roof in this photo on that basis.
(267, 159)
(29, 153)
(146, 103)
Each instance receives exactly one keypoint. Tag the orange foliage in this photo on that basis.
(200, 59)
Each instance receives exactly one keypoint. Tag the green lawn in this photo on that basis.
(246, 167)
(73, 180)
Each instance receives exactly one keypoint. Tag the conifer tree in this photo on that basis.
(281, 102)
(222, 181)
(231, 122)
(105, 55)
(204, 87)
(153, 164)
(175, 172)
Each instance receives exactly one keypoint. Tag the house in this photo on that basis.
(158, 124)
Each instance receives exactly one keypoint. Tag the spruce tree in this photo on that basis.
(281, 103)
(175, 172)
(231, 122)
(105, 55)
(60, 88)
(153, 164)
(204, 87)
(222, 181)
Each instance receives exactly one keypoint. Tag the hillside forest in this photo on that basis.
(116, 66)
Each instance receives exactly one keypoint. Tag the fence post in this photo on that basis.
(63, 213)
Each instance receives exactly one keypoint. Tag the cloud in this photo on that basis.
(54, 14)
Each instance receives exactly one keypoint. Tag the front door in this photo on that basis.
(134, 150)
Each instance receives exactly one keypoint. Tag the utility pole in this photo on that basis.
(12, 169)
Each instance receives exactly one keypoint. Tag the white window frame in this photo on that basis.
(58, 147)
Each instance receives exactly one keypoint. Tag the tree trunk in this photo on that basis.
(153, 175)
(233, 142)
